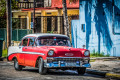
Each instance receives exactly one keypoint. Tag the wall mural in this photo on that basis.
(98, 27)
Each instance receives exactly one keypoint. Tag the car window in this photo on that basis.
(25, 41)
(31, 41)
(53, 41)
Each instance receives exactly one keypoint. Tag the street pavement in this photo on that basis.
(112, 66)
(106, 67)
(7, 72)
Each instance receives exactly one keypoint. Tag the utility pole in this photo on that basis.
(9, 22)
(34, 17)
(66, 25)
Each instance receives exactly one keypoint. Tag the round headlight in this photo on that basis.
(86, 53)
(50, 53)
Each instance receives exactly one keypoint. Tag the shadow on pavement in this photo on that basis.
(63, 73)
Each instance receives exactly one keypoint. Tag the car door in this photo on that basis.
(29, 56)
(21, 54)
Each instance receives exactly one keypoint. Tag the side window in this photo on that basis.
(31, 41)
(25, 41)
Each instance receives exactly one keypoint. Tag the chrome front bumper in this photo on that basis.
(58, 62)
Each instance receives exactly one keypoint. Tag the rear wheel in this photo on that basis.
(42, 70)
(81, 70)
(16, 65)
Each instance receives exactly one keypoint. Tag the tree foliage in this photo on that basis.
(3, 6)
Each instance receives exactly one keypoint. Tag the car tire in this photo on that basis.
(16, 65)
(81, 70)
(42, 70)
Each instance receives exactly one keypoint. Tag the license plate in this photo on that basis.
(70, 64)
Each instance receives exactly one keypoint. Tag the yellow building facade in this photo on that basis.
(47, 20)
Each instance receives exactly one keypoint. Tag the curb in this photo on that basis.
(96, 72)
(101, 58)
(103, 73)
(113, 75)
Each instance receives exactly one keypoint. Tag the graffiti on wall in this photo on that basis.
(101, 21)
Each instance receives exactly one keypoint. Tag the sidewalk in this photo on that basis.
(108, 67)
(103, 58)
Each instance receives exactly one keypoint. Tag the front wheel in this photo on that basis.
(16, 65)
(81, 70)
(42, 70)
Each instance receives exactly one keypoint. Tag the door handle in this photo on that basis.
(19, 47)
(25, 48)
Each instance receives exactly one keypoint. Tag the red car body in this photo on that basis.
(28, 53)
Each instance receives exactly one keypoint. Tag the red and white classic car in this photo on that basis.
(48, 51)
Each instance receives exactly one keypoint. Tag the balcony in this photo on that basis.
(27, 5)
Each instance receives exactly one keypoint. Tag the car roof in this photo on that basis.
(44, 34)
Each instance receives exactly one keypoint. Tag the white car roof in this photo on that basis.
(44, 34)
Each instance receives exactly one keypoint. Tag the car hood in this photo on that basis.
(65, 51)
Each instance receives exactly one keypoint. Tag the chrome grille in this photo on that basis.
(67, 59)
(64, 59)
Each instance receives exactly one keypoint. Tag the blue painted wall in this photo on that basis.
(98, 27)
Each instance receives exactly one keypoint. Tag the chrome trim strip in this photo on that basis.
(86, 57)
(64, 57)
(28, 53)
(33, 53)
(81, 65)
(70, 57)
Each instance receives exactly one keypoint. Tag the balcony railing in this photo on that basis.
(27, 5)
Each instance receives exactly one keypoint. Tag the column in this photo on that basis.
(59, 24)
(29, 20)
(42, 21)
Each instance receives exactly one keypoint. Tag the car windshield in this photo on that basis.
(53, 41)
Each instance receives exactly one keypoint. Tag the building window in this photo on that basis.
(117, 23)
(23, 23)
(55, 24)
(19, 23)
(49, 23)
(26, 0)
(38, 24)
(75, 17)
(83, 27)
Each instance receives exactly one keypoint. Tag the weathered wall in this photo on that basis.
(99, 26)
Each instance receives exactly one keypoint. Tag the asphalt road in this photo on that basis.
(7, 72)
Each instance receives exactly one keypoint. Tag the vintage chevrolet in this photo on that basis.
(48, 51)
